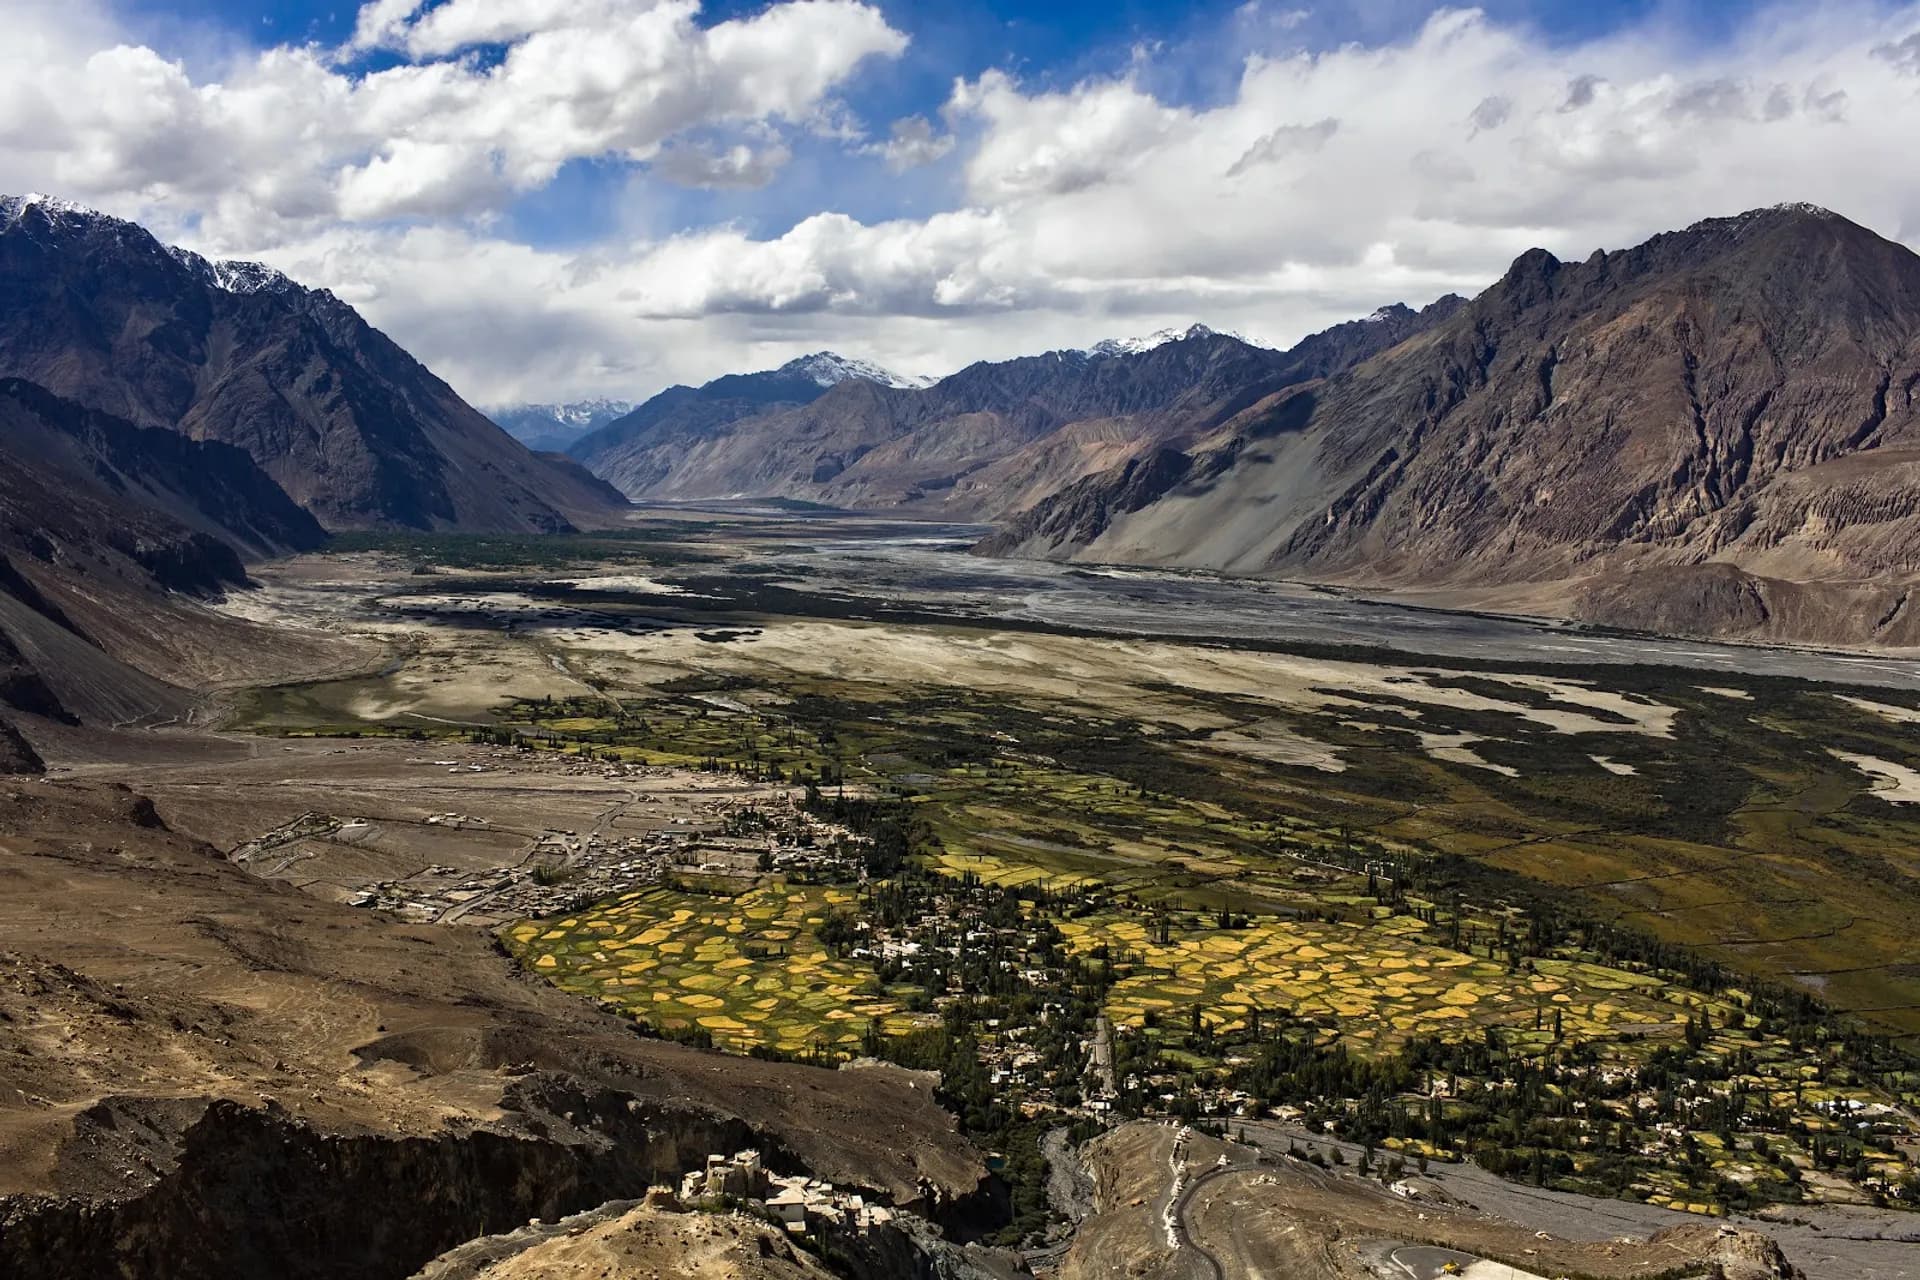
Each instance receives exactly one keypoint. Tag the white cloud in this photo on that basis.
(739, 167)
(1312, 187)
(1059, 143)
(294, 135)
(913, 144)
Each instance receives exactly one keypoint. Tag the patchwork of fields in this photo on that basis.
(747, 969)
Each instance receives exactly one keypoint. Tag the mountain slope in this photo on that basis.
(108, 534)
(1715, 431)
(642, 452)
(987, 440)
(351, 426)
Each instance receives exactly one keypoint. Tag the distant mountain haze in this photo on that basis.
(1715, 432)
(552, 428)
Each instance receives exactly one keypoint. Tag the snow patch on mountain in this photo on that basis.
(1159, 338)
(828, 369)
(233, 275)
(13, 208)
(583, 414)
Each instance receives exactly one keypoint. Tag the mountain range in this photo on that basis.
(980, 444)
(1715, 432)
(165, 419)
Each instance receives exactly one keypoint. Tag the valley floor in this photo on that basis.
(1603, 927)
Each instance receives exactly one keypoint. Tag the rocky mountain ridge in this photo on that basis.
(1714, 432)
(348, 424)
(109, 534)
(986, 441)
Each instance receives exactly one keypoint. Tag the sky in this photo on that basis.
(556, 199)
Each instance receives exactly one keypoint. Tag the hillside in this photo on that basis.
(986, 441)
(348, 424)
(1713, 432)
(110, 535)
(651, 452)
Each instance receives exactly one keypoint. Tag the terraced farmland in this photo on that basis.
(748, 969)
(1378, 982)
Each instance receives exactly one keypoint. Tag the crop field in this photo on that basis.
(747, 970)
(1379, 984)
(1738, 833)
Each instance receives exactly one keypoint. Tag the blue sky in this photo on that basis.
(1048, 43)
(564, 198)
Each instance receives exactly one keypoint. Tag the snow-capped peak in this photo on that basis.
(237, 276)
(578, 413)
(232, 275)
(1395, 311)
(13, 208)
(827, 369)
(1160, 338)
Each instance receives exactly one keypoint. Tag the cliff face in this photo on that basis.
(348, 424)
(1715, 432)
(990, 440)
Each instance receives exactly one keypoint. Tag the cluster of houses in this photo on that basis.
(729, 836)
(798, 1204)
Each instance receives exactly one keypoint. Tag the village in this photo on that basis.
(1021, 980)
(800, 1204)
(727, 839)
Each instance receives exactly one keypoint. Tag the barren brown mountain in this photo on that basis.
(110, 535)
(984, 443)
(1715, 432)
(352, 427)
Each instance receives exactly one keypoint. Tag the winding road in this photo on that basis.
(1209, 1261)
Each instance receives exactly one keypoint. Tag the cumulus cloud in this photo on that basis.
(1903, 53)
(1317, 184)
(1287, 140)
(1490, 113)
(736, 168)
(913, 144)
(1059, 143)
(293, 134)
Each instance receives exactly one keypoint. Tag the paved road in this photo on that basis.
(1209, 1261)
(1103, 1056)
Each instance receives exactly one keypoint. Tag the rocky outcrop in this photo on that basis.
(298, 1202)
(1704, 433)
(350, 426)
(16, 753)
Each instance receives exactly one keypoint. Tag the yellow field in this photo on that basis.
(1381, 986)
(680, 960)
